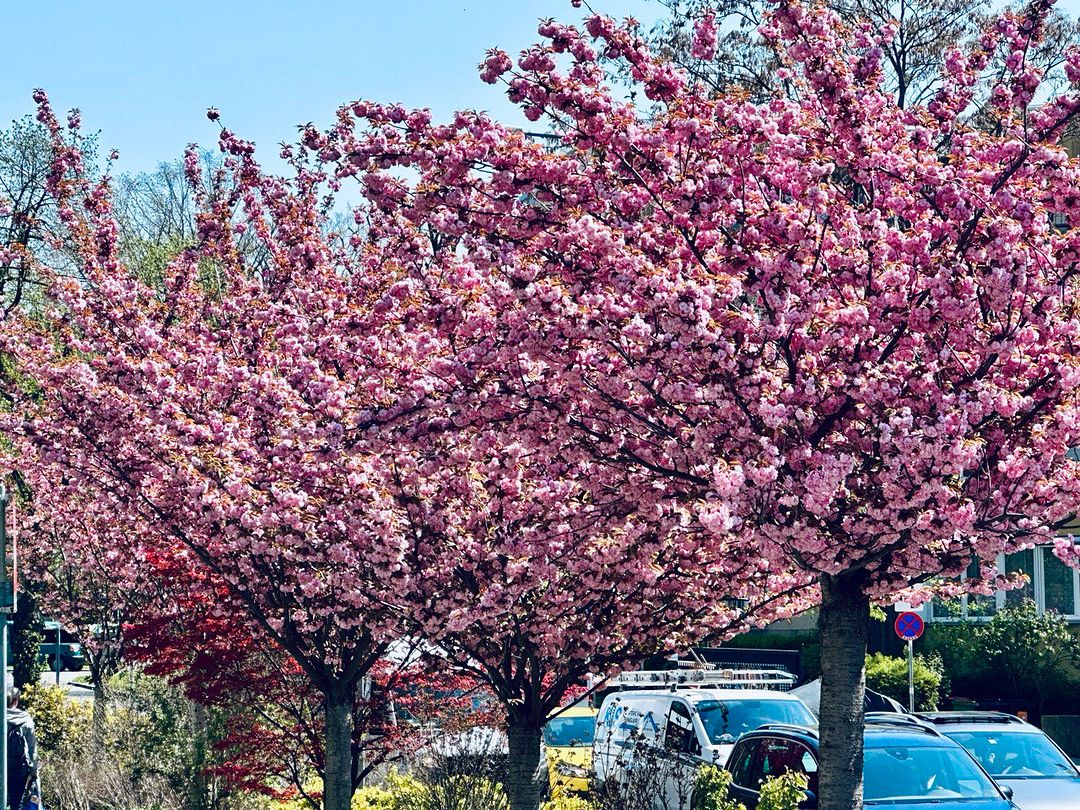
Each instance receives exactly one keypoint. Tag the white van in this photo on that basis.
(654, 740)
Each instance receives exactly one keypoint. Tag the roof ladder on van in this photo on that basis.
(776, 679)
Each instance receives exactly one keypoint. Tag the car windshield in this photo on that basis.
(569, 731)
(724, 720)
(1015, 754)
(934, 773)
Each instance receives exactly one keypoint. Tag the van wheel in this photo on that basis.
(73, 666)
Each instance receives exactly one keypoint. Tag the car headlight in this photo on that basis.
(566, 769)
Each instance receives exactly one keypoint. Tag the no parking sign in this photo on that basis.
(909, 626)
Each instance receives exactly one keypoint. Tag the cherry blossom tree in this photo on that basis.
(849, 325)
(314, 441)
(547, 577)
(841, 332)
(231, 413)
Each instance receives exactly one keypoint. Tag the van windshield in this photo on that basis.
(725, 720)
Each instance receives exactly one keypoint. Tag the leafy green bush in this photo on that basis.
(782, 792)
(567, 802)
(439, 792)
(889, 676)
(149, 727)
(711, 790)
(1018, 654)
(26, 633)
(61, 726)
(372, 798)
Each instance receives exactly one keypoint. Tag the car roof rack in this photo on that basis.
(775, 679)
(809, 731)
(945, 718)
(897, 720)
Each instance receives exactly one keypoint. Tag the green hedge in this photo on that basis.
(889, 676)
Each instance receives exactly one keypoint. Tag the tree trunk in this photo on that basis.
(337, 779)
(197, 798)
(843, 623)
(98, 719)
(523, 768)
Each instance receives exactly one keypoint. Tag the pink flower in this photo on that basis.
(703, 44)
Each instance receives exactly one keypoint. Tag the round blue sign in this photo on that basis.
(909, 626)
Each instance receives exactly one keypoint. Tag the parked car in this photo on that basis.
(1016, 754)
(568, 739)
(908, 765)
(69, 650)
(662, 737)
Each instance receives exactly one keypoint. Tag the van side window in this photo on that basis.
(742, 757)
(679, 735)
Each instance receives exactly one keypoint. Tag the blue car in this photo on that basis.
(1017, 755)
(908, 765)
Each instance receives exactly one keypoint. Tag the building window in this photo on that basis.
(1052, 585)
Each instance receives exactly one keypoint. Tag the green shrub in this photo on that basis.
(1018, 654)
(711, 790)
(440, 792)
(61, 725)
(782, 792)
(148, 728)
(889, 676)
(374, 798)
(25, 635)
(568, 802)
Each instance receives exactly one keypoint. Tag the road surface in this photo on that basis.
(67, 681)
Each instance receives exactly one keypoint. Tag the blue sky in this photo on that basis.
(143, 72)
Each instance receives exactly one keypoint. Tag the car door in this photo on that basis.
(773, 757)
(745, 768)
(682, 755)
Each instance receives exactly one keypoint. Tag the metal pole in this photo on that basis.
(56, 658)
(4, 709)
(3, 652)
(910, 675)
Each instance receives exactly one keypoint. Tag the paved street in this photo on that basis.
(67, 680)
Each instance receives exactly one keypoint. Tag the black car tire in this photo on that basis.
(73, 666)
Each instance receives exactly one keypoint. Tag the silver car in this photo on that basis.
(1017, 755)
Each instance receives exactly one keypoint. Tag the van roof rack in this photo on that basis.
(775, 679)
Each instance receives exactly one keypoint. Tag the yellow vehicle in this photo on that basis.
(568, 739)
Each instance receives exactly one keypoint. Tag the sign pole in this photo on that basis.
(56, 658)
(911, 675)
(909, 626)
